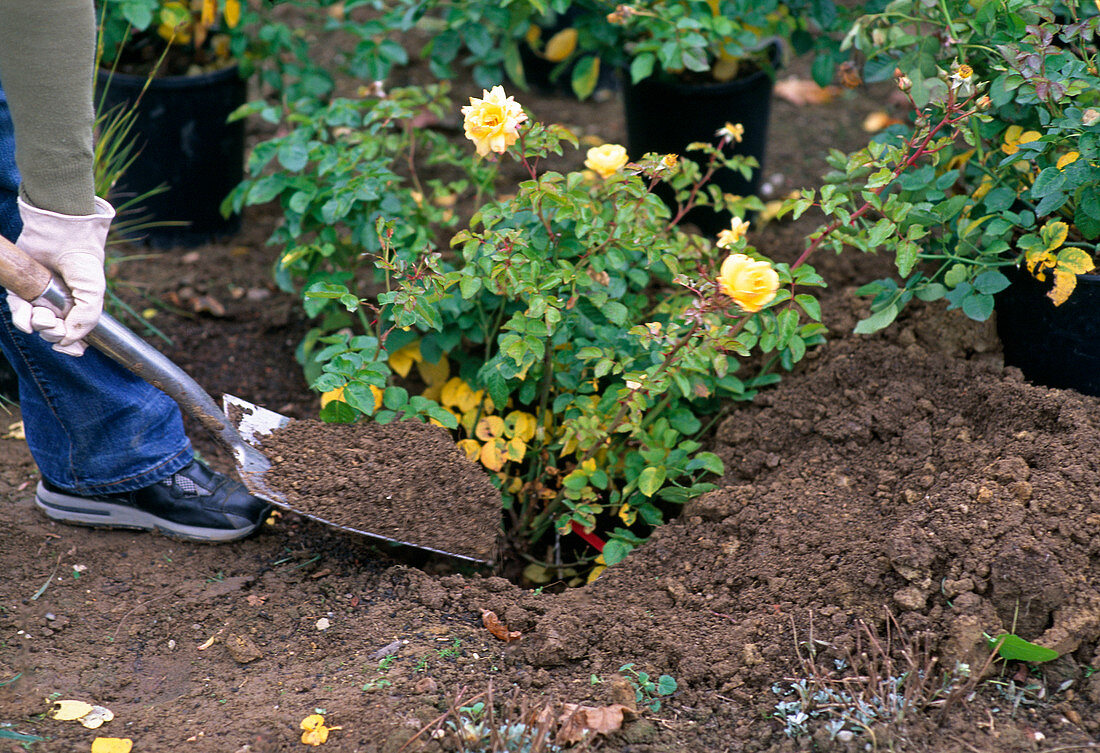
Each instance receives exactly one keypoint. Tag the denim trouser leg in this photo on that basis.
(91, 425)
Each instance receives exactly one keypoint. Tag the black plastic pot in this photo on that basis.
(666, 115)
(1054, 346)
(185, 144)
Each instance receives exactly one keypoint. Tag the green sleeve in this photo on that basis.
(47, 53)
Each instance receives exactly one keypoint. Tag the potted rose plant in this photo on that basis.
(708, 61)
(177, 64)
(998, 206)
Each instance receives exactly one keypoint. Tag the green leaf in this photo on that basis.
(878, 320)
(615, 551)
(338, 412)
(666, 685)
(586, 74)
(978, 306)
(615, 312)
(395, 398)
(990, 282)
(1014, 648)
(651, 479)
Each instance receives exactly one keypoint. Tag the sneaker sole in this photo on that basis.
(95, 513)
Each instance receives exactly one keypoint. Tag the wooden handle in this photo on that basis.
(20, 273)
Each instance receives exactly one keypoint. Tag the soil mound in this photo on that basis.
(405, 481)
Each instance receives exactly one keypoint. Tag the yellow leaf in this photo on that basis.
(725, 68)
(402, 359)
(112, 745)
(1064, 283)
(1054, 234)
(232, 13)
(534, 33)
(596, 572)
(627, 514)
(336, 394)
(1075, 260)
(434, 374)
(561, 45)
(520, 425)
(1067, 159)
(516, 449)
(457, 394)
(973, 225)
(316, 736)
(468, 420)
(489, 427)
(492, 455)
(209, 12)
(801, 91)
(876, 121)
(68, 711)
(471, 447)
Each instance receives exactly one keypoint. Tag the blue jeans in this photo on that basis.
(91, 425)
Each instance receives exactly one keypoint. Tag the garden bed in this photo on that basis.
(901, 482)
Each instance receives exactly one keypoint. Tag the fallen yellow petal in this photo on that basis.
(68, 711)
(112, 745)
(95, 718)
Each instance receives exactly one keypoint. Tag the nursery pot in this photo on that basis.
(184, 143)
(1054, 346)
(665, 115)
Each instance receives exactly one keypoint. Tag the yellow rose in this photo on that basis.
(492, 122)
(750, 283)
(606, 160)
(738, 228)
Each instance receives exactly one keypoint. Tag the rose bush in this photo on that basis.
(575, 339)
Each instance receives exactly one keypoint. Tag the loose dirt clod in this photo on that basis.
(405, 481)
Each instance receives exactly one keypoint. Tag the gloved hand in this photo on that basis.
(72, 248)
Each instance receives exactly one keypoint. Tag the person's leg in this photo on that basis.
(111, 448)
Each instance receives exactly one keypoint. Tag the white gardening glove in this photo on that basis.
(72, 248)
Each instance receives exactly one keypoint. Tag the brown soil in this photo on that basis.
(395, 480)
(907, 474)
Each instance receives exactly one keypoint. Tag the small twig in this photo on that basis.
(46, 585)
(139, 606)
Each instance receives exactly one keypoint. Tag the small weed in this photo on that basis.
(376, 684)
(647, 692)
(422, 665)
(386, 662)
(453, 651)
(594, 680)
(217, 577)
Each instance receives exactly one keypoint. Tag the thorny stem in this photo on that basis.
(916, 153)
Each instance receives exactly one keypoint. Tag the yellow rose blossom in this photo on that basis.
(1016, 135)
(733, 131)
(670, 161)
(492, 122)
(606, 160)
(750, 283)
(738, 228)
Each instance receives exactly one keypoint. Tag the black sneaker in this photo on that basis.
(194, 503)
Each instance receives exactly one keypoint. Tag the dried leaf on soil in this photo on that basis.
(69, 711)
(90, 716)
(802, 91)
(497, 628)
(112, 745)
(578, 721)
(316, 733)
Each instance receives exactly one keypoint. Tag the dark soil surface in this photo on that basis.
(396, 480)
(893, 500)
